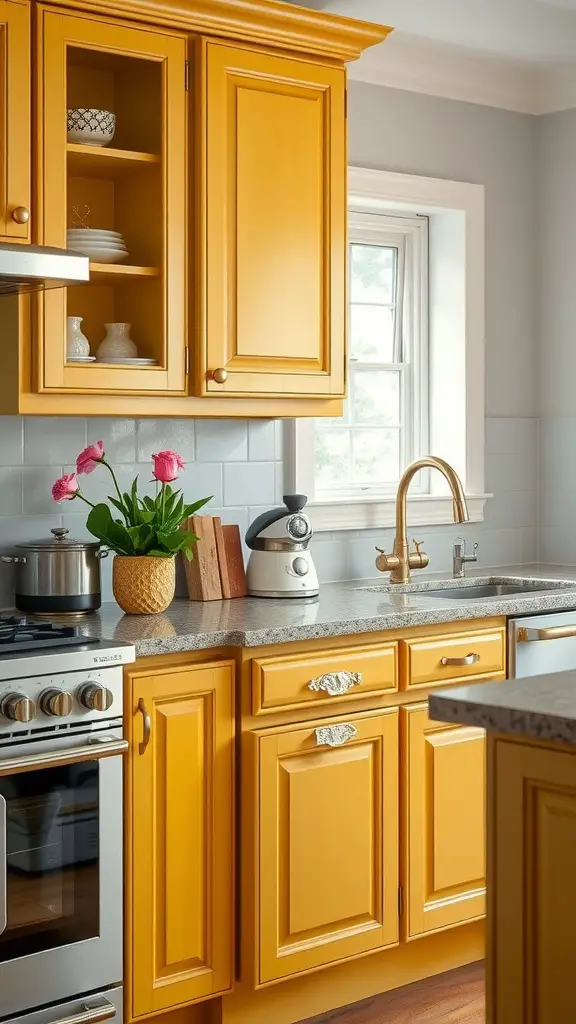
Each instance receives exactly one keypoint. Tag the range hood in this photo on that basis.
(32, 268)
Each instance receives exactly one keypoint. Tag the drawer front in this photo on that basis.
(326, 678)
(453, 658)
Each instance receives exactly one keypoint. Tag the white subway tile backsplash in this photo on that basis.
(165, 435)
(11, 440)
(248, 483)
(37, 497)
(119, 437)
(261, 440)
(53, 440)
(202, 480)
(10, 491)
(221, 440)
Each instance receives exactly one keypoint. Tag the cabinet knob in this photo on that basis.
(21, 214)
(219, 375)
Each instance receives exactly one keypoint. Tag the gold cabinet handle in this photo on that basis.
(468, 659)
(219, 375)
(335, 735)
(147, 726)
(21, 215)
(335, 683)
(527, 636)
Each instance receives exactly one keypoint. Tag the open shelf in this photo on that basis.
(99, 162)
(110, 272)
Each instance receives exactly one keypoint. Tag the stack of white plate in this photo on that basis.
(100, 245)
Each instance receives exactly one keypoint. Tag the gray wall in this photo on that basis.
(239, 462)
(557, 367)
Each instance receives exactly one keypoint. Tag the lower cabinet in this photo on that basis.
(444, 822)
(327, 841)
(179, 847)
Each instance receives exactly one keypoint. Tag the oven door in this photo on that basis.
(60, 870)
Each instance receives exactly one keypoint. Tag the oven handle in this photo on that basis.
(527, 636)
(93, 751)
(3, 867)
(90, 1015)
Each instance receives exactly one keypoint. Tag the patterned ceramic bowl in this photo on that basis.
(90, 126)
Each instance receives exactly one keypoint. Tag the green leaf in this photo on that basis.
(189, 510)
(111, 532)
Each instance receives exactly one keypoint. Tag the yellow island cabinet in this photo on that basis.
(226, 179)
(531, 819)
(299, 833)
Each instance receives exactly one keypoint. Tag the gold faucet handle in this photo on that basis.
(417, 544)
(385, 562)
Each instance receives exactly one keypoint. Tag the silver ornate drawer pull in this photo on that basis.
(335, 683)
(469, 659)
(335, 735)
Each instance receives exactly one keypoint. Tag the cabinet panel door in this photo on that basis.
(532, 919)
(180, 849)
(136, 186)
(444, 821)
(275, 172)
(14, 118)
(327, 824)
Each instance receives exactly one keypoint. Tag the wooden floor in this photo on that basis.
(453, 998)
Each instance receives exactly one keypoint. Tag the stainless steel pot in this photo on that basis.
(59, 575)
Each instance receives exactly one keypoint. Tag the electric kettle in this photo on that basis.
(280, 564)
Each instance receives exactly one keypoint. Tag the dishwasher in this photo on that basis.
(538, 644)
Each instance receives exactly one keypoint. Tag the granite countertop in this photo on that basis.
(538, 707)
(342, 609)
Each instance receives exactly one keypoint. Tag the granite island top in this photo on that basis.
(537, 707)
(342, 609)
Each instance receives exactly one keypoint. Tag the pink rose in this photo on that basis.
(166, 466)
(90, 457)
(65, 488)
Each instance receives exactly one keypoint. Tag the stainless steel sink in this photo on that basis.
(484, 590)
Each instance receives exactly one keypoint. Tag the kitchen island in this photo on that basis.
(531, 877)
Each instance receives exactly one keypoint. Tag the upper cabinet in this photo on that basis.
(219, 202)
(274, 191)
(15, 219)
(135, 186)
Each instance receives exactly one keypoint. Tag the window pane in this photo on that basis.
(372, 272)
(376, 397)
(332, 457)
(372, 334)
(375, 456)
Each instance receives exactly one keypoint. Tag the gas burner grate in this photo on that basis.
(18, 633)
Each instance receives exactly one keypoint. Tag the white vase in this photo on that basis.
(117, 344)
(77, 345)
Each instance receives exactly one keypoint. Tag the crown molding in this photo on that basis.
(457, 73)
(269, 22)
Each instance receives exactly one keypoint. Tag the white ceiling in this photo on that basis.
(541, 32)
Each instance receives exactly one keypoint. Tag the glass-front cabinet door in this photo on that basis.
(112, 162)
(15, 213)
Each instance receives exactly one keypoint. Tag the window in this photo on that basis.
(416, 370)
(385, 422)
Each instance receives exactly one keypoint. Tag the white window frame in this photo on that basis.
(455, 211)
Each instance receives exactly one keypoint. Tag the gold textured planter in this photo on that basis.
(143, 585)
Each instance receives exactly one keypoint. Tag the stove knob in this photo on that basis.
(57, 703)
(17, 707)
(95, 697)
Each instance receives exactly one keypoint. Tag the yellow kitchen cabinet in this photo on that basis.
(179, 835)
(326, 822)
(273, 187)
(15, 212)
(532, 883)
(443, 822)
(136, 186)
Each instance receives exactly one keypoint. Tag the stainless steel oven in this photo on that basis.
(60, 837)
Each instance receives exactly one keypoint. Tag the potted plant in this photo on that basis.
(145, 533)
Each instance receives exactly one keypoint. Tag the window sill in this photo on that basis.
(380, 513)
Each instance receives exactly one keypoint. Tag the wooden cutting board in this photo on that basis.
(203, 572)
(234, 561)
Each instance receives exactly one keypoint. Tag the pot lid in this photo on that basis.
(59, 542)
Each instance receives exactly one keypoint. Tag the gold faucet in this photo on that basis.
(402, 559)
